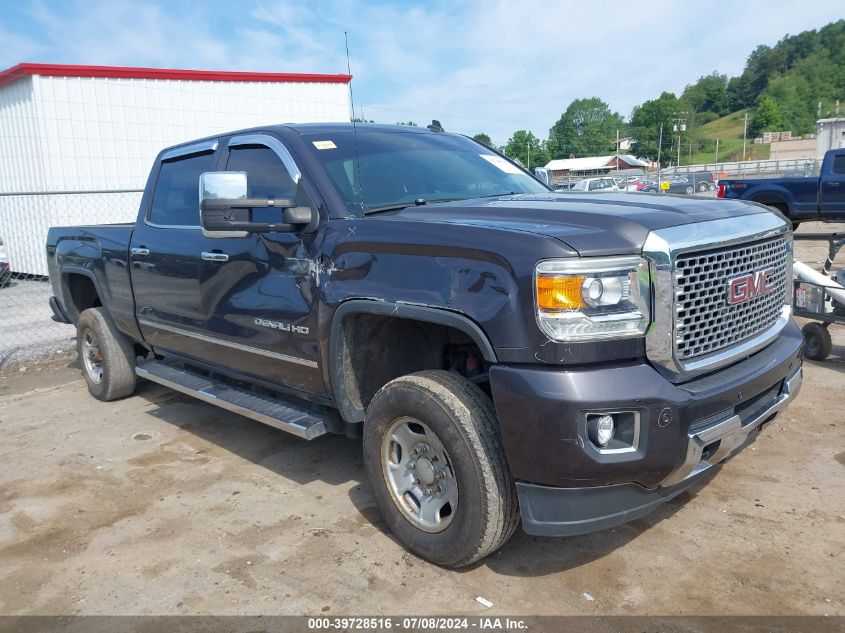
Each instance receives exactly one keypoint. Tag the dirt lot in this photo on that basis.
(159, 504)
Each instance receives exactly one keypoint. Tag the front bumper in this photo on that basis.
(548, 511)
(567, 486)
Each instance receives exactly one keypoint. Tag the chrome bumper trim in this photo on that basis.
(730, 433)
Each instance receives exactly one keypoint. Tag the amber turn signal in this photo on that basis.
(556, 292)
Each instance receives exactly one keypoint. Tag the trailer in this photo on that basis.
(820, 298)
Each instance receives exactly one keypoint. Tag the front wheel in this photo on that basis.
(434, 458)
(107, 356)
(689, 190)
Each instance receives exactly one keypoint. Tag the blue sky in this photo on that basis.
(477, 65)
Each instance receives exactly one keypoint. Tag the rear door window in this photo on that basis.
(839, 164)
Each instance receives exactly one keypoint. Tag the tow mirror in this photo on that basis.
(226, 211)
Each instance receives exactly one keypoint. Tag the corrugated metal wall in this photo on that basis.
(66, 134)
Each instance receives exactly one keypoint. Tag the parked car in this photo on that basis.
(5, 271)
(504, 352)
(702, 180)
(605, 184)
(800, 199)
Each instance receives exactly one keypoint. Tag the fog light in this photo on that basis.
(604, 430)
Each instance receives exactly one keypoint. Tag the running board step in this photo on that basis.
(303, 419)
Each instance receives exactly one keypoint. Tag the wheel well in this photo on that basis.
(375, 349)
(774, 202)
(82, 293)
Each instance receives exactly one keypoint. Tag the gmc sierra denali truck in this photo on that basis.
(504, 351)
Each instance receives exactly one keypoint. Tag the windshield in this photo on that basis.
(396, 168)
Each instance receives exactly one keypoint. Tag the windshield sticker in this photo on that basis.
(501, 163)
(324, 144)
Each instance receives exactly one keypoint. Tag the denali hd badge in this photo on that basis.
(280, 325)
(741, 289)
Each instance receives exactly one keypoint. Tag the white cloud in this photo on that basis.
(478, 65)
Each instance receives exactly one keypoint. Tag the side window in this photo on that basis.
(176, 197)
(268, 177)
(595, 184)
(839, 164)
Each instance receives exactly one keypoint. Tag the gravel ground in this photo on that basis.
(26, 331)
(159, 504)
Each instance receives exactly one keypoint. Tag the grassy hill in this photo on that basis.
(728, 129)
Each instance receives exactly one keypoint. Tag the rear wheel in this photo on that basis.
(817, 343)
(107, 356)
(703, 186)
(435, 462)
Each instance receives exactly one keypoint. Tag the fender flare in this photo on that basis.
(771, 196)
(67, 304)
(413, 312)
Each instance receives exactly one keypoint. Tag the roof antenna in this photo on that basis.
(435, 126)
(354, 129)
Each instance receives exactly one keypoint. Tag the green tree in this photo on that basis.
(587, 128)
(645, 125)
(767, 117)
(481, 137)
(708, 94)
(518, 147)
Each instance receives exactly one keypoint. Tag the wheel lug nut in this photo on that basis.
(427, 492)
(410, 465)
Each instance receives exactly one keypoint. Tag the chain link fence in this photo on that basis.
(27, 333)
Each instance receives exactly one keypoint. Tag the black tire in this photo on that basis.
(817, 343)
(464, 421)
(108, 350)
(689, 190)
(703, 187)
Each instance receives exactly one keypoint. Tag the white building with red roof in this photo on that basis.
(77, 142)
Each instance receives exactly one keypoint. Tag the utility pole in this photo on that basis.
(717, 150)
(679, 127)
(659, 145)
(529, 154)
(744, 134)
(617, 150)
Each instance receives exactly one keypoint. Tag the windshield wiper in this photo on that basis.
(404, 205)
(388, 207)
(498, 195)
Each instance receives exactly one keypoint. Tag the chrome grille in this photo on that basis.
(704, 321)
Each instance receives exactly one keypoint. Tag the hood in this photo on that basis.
(591, 224)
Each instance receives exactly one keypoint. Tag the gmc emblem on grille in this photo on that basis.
(741, 289)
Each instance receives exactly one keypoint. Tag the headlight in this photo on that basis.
(592, 298)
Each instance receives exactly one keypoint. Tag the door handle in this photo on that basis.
(136, 250)
(833, 184)
(215, 257)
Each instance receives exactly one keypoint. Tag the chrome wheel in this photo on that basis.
(419, 475)
(91, 357)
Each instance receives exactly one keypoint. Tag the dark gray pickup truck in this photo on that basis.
(506, 352)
